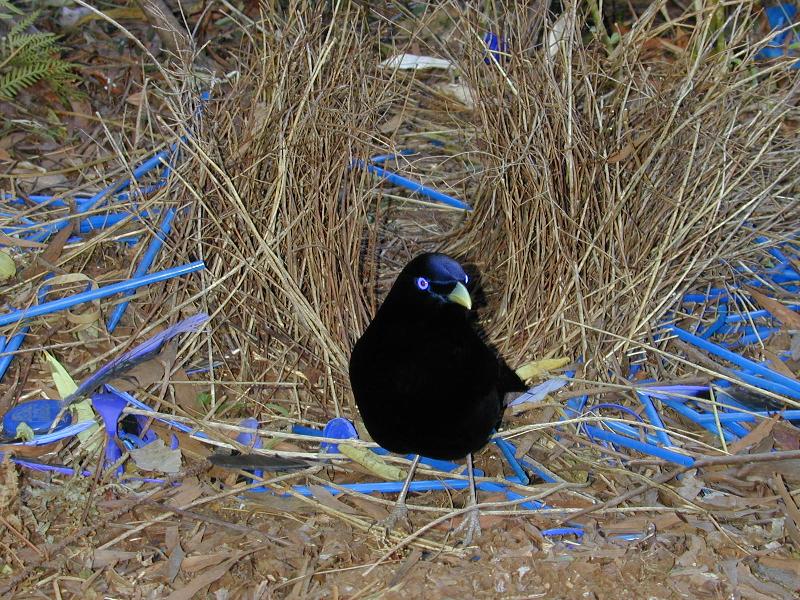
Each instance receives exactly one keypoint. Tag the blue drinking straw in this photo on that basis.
(638, 446)
(746, 364)
(145, 264)
(97, 294)
(413, 186)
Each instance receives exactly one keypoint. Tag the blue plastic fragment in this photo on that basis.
(39, 415)
(496, 47)
(103, 292)
(413, 186)
(109, 407)
(340, 429)
(250, 440)
(780, 17)
(508, 452)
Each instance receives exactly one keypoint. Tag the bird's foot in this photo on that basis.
(471, 525)
(399, 514)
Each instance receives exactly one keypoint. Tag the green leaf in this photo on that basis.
(63, 381)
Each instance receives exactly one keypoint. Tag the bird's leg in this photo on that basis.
(400, 512)
(471, 522)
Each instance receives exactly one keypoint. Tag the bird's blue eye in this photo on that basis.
(466, 278)
(422, 283)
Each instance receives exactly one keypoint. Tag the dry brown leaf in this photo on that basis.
(372, 509)
(188, 591)
(13, 242)
(104, 558)
(661, 522)
(790, 507)
(789, 318)
(189, 491)
(51, 253)
(196, 563)
(327, 499)
(185, 393)
(786, 564)
(777, 365)
(157, 456)
(173, 565)
(628, 149)
(759, 433)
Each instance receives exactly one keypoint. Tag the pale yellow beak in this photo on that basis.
(460, 295)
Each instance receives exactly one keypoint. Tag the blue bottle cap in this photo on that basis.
(38, 414)
(339, 428)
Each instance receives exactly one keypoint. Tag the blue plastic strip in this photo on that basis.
(10, 349)
(655, 418)
(145, 264)
(413, 186)
(746, 364)
(694, 416)
(734, 417)
(103, 292)
(508, 452)
(650, 449)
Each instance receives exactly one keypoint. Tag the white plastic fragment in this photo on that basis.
(539, 392)
(405, 62)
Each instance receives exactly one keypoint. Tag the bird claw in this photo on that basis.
(472, 525)
(400, 513)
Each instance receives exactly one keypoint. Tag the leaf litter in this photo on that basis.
(286, 312)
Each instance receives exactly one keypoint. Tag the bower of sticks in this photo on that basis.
(632, 184)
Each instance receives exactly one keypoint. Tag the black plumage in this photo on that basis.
(423, 379)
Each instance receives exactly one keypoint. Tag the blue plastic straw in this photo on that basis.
(93, 201)
(441, 465)
(10, 349)
(625, 429)
(746, 364)
(694, 416)
(761, 333)
(722, 315)
(413, 186)
(655, 418)
(765, 384)
(145, 264)
(103, 292)
(394, 487)
(735, 417)
(508, 452)
(644, 448)
(755, 314)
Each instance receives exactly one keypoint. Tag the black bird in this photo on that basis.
(424, 381)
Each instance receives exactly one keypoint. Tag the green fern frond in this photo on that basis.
(5, 5)
(23, 24)
(33, 46)
(26, 58)
(21, 77)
